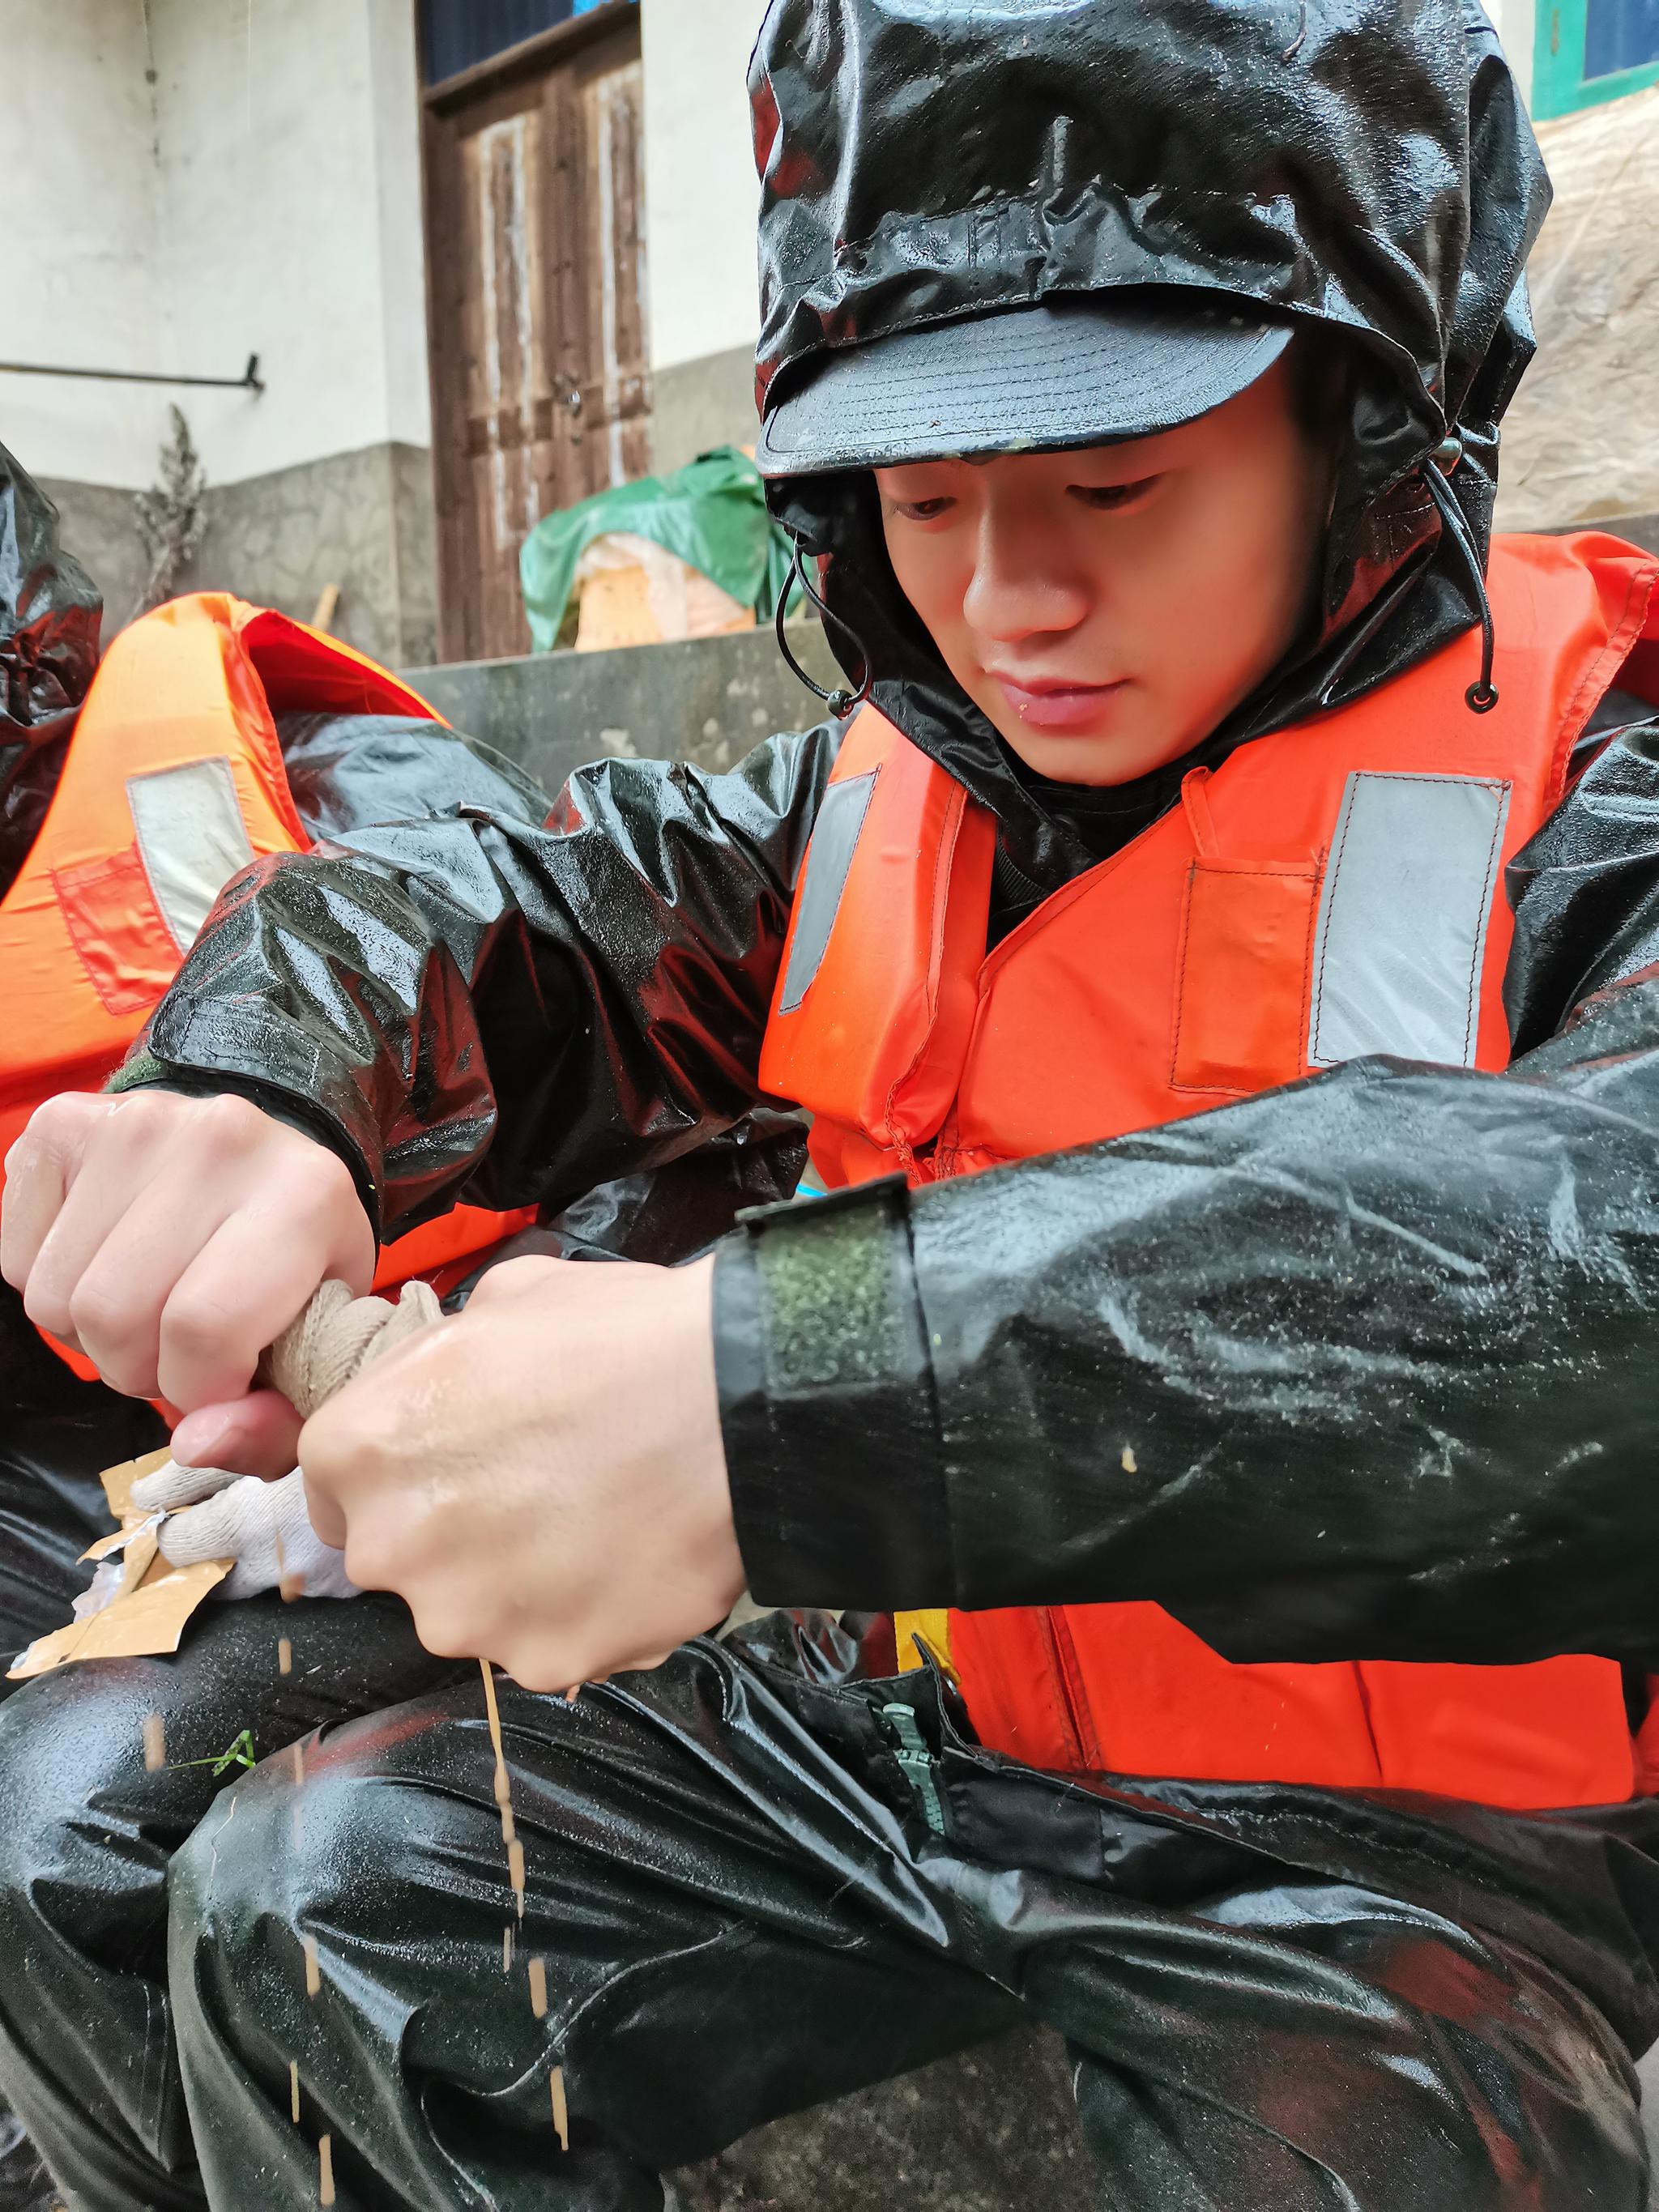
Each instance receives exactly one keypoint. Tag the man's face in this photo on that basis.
(1106, 609)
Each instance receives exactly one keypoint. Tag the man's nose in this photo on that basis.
(1023, 585)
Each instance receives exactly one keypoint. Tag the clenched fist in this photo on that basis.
(541, 1477)
(171, 1239)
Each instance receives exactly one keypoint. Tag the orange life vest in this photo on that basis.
(172, 780)
(1331, 890)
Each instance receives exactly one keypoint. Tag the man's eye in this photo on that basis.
(923, 510)
(1110, 496)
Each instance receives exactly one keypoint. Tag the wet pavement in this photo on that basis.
(992, 2131)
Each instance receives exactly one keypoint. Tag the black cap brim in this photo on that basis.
(1074, 371)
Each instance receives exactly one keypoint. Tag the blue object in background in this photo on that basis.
(1619, 34)
(460, 33)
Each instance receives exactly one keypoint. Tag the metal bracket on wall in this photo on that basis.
(249, 380)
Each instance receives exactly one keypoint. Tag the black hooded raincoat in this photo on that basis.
(1409, 1306)
(1385, 1336)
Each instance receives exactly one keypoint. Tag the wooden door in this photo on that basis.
(535, 273)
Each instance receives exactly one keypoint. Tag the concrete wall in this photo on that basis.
(356, 520)
(699, 403)
(234, 179)
(96, 524)
(708, 700)
(277, 231)
(1515, 22)
(220, 180)
(78, 186)
(702, 199)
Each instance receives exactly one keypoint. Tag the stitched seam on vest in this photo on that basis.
(1321, 861)
(1057, 902)
(1398, 776)
(132, 990)
(1478, 952)
(1195, 1090)
(1061, 1717)
(945, 852)
(1078, 1711)
(792, 989)
(1181, 978)
(1625, 635)
(1268, 868)
(1362, 1690)
(1328, 887)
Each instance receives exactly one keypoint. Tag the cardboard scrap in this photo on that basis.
(145, 1613)
(118, 1481)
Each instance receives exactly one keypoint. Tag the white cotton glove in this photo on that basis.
(262, 1526)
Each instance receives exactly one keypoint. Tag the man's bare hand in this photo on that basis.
(172, 1239)
(542, 1478)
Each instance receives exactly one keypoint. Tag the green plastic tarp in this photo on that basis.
(711, 512)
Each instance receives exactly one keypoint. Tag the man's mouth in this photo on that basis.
(1054, 702)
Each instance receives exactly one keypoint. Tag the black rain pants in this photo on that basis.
(56, 1433)
(756, 1878)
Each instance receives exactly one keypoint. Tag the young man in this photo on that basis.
(1135, 373)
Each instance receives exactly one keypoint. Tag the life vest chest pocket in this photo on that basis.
(116, 930)
(1241, 981)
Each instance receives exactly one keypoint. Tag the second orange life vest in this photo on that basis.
(172, 781)
(1331, 890)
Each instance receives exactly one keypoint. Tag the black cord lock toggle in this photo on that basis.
(840, 703)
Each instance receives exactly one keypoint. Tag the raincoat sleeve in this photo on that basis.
(1365, 1367)
(469, 1004)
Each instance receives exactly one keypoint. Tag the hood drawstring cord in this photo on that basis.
(841, 703)
(1482, 696)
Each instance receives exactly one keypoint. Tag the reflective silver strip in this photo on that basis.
(192, 839)
(1403, 914)
(835, 835)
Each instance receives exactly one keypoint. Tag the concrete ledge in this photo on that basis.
(1641, 529)
(707, 700)
(698, 404)
(993, 2130)
(362, 520)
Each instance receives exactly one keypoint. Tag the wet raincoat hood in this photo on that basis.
(1364, 167)
(49, 612)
